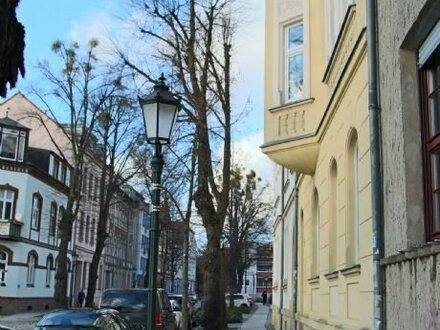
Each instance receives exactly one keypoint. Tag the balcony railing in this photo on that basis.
(10, 229)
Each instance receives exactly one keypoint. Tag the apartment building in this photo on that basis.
(317, 129)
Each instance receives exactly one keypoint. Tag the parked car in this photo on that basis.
(4, 327)
(83, 319)
(132, 304)
(240, 299)
(178, 297)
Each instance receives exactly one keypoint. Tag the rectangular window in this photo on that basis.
(37, 204)
(53, 219)
(81, 227)
(430, 75)
(294, 75)
(9, 144)
(56, 168)
(6, 204)
(63, 173)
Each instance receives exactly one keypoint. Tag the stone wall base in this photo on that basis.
(19, 305)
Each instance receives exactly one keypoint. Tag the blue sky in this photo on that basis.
(80, 20)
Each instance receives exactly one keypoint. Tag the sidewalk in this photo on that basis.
(257, 320)
(21, 321)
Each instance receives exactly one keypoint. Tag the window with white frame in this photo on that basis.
(49, 265)
(7, 198)
(3, 263)
(37, 203)
(56, 168)
(336, 11)
(293, 63)
(12, 144)
(32, 262)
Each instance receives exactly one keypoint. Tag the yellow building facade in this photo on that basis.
(317, 126)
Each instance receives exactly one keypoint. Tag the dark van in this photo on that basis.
(132, 305)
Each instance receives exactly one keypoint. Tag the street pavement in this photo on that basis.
(21, 321)
(257, 320)
(26, 321)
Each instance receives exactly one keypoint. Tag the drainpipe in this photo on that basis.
(295, 248)
(376, 179)
(282, 248)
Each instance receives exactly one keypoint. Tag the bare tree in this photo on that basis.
(246, 225)
(117, 132)
(79, 91)
(194, 40)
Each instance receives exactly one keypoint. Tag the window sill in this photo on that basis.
(332, 275)
(351, 270)
(290, 104)
(313, 279)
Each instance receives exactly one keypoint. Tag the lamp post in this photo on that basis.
(160, 113)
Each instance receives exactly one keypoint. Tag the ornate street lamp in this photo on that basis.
(160, 113)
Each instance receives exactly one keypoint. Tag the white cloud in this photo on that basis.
(246, 152)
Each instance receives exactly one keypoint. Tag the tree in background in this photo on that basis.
(117, 131)
(246, 225)
(77, 92)
(194, 40)
(12, 44)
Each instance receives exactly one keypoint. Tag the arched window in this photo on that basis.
(49, 266)
(332, 209)
(316, 227)
(3, 263)
(32, 264)
(352, 181)
(37, 205)
(53, 218)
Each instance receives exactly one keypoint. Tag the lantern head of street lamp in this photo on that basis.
(160, 113)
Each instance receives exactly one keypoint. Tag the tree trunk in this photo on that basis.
(214, 299)
(185, 282)
(61, 275)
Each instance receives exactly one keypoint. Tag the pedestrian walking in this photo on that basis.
(81, 298)
(264, 296)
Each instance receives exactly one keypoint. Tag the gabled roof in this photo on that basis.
(8, 122)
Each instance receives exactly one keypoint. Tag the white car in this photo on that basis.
(240, 299)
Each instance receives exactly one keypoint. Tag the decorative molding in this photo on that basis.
(313, 279)
(425, 251)
(332, 275)
(336, 59)
(292, 104)
(351, 270)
